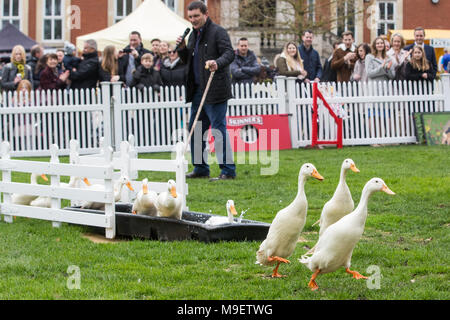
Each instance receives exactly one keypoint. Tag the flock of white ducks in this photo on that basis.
(341, 227)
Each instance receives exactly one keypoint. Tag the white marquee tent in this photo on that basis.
(152, 19)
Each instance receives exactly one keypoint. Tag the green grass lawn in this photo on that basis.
(406, 237)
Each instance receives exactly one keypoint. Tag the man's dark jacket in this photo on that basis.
(123, 61)
(244, 69)
(86, 75)
(215, 45)
(311, 62)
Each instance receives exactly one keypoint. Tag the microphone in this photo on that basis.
(186, 32)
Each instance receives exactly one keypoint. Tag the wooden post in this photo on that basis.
(110, 207)
(54, 182)
(6, 177)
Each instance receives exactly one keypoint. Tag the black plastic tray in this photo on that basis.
(190, 227)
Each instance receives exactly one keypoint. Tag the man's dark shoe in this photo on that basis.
(193, 175)
(223, 177)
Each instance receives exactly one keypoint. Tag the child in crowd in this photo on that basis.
(145, 75)
(418, 68)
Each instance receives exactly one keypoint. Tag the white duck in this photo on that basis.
(145, 202)
(25, 199)
(118, 185)
(46, 202)
(169, 202)
(287, 225)
(341, 203)
(335, 247)
(216, 220)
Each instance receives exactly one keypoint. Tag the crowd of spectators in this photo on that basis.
(136, 66)
(379, 61)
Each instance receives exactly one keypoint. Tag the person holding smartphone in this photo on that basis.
(130, 57)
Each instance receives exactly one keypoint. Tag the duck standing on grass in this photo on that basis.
(335, 247)
(145, 203)
(287, 225)
(340, 204)
(169, 202)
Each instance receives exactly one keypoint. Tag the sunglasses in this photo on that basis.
(170, 52)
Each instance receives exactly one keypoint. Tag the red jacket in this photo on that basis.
(50, 80)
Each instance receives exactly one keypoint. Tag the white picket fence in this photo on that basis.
(104, 167)
(55, 170)
(375, 113)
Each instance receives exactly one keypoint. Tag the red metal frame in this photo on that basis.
(314, 142)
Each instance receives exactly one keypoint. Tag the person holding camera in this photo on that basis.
(130, 57)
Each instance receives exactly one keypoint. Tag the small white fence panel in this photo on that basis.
(56, 192)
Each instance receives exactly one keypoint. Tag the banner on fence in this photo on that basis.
(257, 132)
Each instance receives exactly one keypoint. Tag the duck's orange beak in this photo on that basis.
(87, 182)
(145, 189)
(43, 176)
(173, 192)
(233, 210)
(387, 190)
(354, 168)
(129, 186)
(317, 175)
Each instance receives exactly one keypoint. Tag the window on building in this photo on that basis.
(123, 8)
(311, 10)
(345, 16)
(170, 4)
(53, 20)
(10, 11)
(386, 19)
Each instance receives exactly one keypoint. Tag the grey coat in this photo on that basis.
(375, 70)
(9, 74)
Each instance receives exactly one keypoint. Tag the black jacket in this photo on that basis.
(123, 61)
(32, 63)
(414, 74)
(144, 78)
(215, 45)
(10, 73)
(175, 76)
(86, 75)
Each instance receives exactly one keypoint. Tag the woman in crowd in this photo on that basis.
(379, 67)
(398, 55)
(418, 68)
(359, 72)
(50, 78)
(163, 54)
(109, 66)
(16, 70)
(290, 64)
(173, 69)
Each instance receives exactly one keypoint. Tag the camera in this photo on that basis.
(126, 50)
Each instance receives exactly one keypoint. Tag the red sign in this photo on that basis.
(257, 132)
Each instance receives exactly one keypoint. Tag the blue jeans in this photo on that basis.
(213, 115)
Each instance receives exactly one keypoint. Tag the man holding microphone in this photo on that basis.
(208, 49)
